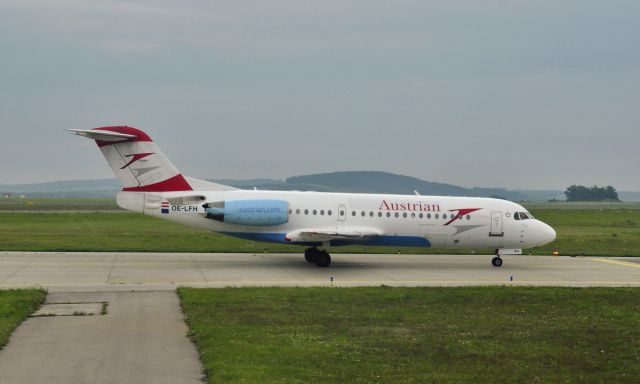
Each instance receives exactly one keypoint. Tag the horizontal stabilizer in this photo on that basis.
(102, 135)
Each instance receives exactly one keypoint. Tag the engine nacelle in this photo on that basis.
(249, 212)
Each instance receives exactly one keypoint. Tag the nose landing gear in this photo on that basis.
(320, 258)
(497, 261)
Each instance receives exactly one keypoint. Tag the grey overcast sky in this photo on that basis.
(520, 94)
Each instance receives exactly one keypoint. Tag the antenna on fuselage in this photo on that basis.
(417, 193)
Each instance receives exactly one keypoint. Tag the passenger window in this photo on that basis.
(306, 211)
(322, 212)
(329, 213)
(353, 213)
(388, 214)
(404, 215)
(379, 214)
(371, 213)
(315, 212)
(421, 215)
(413, 215)
(397, 214)
(428, 215)
(444, 215)
(436, 216)
(468, 217)
(363, 213)
(297, 211)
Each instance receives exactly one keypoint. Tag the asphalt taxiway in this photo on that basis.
(165, 271)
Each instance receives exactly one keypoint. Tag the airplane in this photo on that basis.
(153, 186)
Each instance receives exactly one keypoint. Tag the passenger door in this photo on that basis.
(496, 224)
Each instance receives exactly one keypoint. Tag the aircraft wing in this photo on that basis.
(327, 234)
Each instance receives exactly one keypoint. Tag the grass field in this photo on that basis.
(600, 232)
(15, 306)
(581, 205)
(416, 335)
(57, 204)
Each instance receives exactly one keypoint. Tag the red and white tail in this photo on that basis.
(136, 160)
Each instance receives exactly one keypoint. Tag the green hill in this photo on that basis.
(351, 181)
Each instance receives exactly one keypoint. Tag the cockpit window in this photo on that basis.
(522, 216)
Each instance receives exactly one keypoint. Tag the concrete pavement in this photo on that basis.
(164, 271)
(141, 339)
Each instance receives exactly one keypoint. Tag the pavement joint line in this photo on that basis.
(618, 262)
(195, 263)
(293, 275)
(113, 265)
(22, 267)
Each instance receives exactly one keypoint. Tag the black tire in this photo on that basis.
(323, 259)
(496, 262)
(310, 255)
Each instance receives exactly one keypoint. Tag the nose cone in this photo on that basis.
(546, 234)
(549, 234)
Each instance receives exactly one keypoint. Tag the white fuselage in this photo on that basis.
(398, 220)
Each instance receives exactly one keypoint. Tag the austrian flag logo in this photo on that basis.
(164, 206)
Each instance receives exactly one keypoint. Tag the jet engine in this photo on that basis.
(249, 212)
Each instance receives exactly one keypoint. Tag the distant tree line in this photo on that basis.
(595, 193)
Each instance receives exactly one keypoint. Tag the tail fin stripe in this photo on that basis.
(175, 183)
(135, 157)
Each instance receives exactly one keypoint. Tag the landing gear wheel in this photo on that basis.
(310, 255)
(496, 261)
(322, 259)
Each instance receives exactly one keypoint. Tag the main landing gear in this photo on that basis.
(497, 261)
(318, 257)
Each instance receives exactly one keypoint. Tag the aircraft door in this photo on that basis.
(496, 224)
(342, 212)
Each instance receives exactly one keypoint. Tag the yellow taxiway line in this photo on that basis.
(618, 262)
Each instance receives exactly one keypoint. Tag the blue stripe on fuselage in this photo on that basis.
(400, 241)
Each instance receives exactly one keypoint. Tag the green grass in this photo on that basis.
(15, 306)
(606, 232)
(57, 204)
(590, 232)
(582, 205)
(416, 335)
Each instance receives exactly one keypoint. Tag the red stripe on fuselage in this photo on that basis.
(461, 212)
(173, 184)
